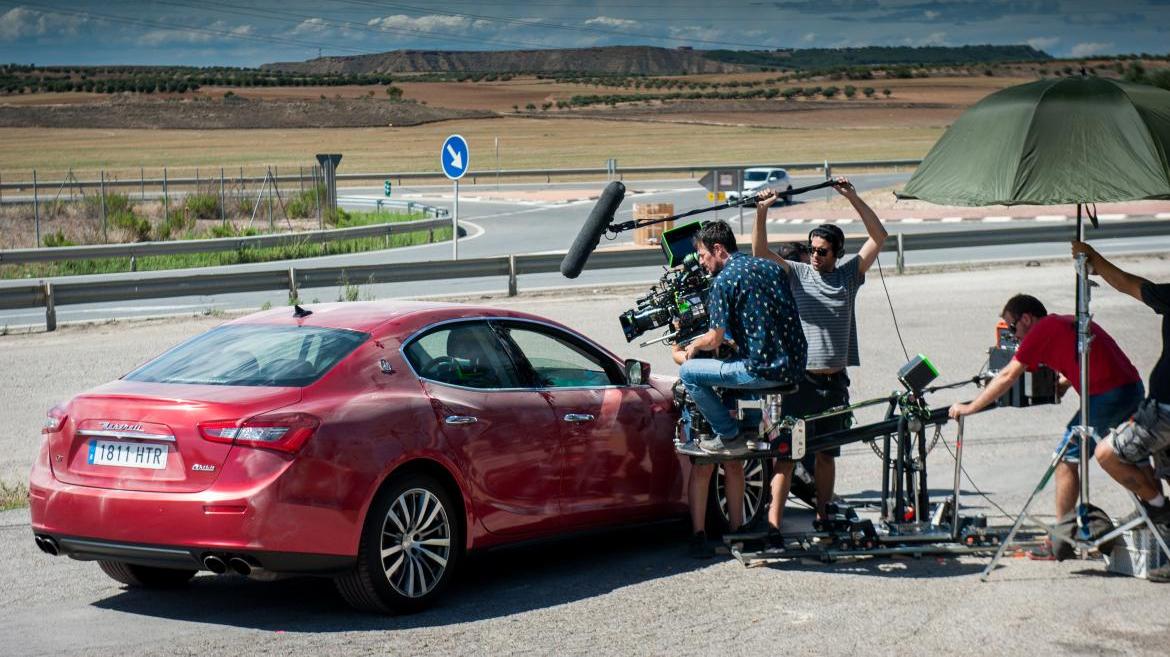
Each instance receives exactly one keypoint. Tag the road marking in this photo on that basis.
(1112, 217)
(1162, 215)
(951, 220)
(996, 219)
(777, 221)
(845, 221)
(911, 220)
(1051, 217)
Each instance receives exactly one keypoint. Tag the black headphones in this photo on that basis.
(832, 234)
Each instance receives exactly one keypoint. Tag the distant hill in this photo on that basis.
(877, 56)
(616, 60)
(645, 60)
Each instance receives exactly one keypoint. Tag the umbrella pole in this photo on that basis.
(1084, 337)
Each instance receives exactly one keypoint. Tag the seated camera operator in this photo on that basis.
(750, 303)
(699, 483)
(1115, 387)
(1126, 453)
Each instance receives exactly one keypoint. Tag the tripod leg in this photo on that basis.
(1024, 512)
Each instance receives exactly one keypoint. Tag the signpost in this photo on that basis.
(386, 188)
(720, 181)
(455, 157)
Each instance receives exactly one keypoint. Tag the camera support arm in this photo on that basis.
(632, 224)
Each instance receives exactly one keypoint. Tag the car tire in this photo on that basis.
(410, 548)
(757, 494)
(146, 577)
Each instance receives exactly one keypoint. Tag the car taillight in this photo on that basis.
(54, 420)
(285, 432)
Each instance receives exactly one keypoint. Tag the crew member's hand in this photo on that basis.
(767, 198)
(958, 410)
(689, 352)
(1090, 253)
(844, 187)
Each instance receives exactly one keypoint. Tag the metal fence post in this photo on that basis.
(222, 200)
(901, 255)
(50, 308)
(105, 235)
(36, 210)
(292, 285)
(166, 198)
(142, 183)
(511, 275)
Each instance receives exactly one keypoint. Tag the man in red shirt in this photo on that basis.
(1115, 387)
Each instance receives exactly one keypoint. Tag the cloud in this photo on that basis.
(1043, 43)
(1090, 48)
(429, 23)
(310, 26)
(811, 37)
(931, 14)
(18, 23)
(214, 31)
(607, 21)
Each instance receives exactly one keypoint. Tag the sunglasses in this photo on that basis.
(820, 251)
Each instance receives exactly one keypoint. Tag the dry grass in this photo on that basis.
(13, 496)
(524, 143)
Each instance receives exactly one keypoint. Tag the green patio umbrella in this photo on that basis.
(1065, 140)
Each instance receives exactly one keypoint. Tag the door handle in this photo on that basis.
(578, 417)
(460, 419)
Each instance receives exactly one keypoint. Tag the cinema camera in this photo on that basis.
(679, 299)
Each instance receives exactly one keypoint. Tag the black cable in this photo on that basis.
(894, 315)
(971, 481)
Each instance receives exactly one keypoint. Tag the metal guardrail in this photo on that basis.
(619, 172)
(140, 249)
(382, 203)
(152, 285)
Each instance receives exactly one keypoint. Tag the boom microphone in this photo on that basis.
(594, 227)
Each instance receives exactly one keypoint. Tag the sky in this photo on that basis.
(222, 33)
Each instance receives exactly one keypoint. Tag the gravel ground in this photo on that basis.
(633, 592)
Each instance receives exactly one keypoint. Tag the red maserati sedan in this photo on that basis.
(374, 442)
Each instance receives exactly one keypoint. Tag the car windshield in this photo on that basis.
(755, 176)
(252, 355)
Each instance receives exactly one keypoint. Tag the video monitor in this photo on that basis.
(679, 242)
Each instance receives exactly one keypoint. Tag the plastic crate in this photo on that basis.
(1138, 555)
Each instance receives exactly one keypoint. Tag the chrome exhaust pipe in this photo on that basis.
(240, 565)
(214, 564)
(48, 545)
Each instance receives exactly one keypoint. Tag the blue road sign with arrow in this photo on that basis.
(455, 157)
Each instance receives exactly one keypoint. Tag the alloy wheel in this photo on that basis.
(416, 542)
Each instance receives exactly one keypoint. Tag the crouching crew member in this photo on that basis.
(1126, 454)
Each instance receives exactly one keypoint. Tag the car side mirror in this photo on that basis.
(637, 372)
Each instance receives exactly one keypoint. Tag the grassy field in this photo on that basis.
(524, 143)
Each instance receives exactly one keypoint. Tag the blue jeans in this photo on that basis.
(702, 375)
(1106, 410)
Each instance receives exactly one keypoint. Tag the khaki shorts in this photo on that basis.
(1146, 435)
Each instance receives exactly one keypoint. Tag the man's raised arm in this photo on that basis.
(760, 229)
(873, 226)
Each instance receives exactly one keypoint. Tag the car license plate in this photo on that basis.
(127, 455)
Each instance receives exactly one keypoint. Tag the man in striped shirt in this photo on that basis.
(825, 291)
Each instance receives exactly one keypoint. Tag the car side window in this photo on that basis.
(466, 354)
(559, 361)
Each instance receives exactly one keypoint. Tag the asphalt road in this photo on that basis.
(635, 592)
(499, 228)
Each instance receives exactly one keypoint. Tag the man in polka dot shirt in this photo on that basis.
(751, 304)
